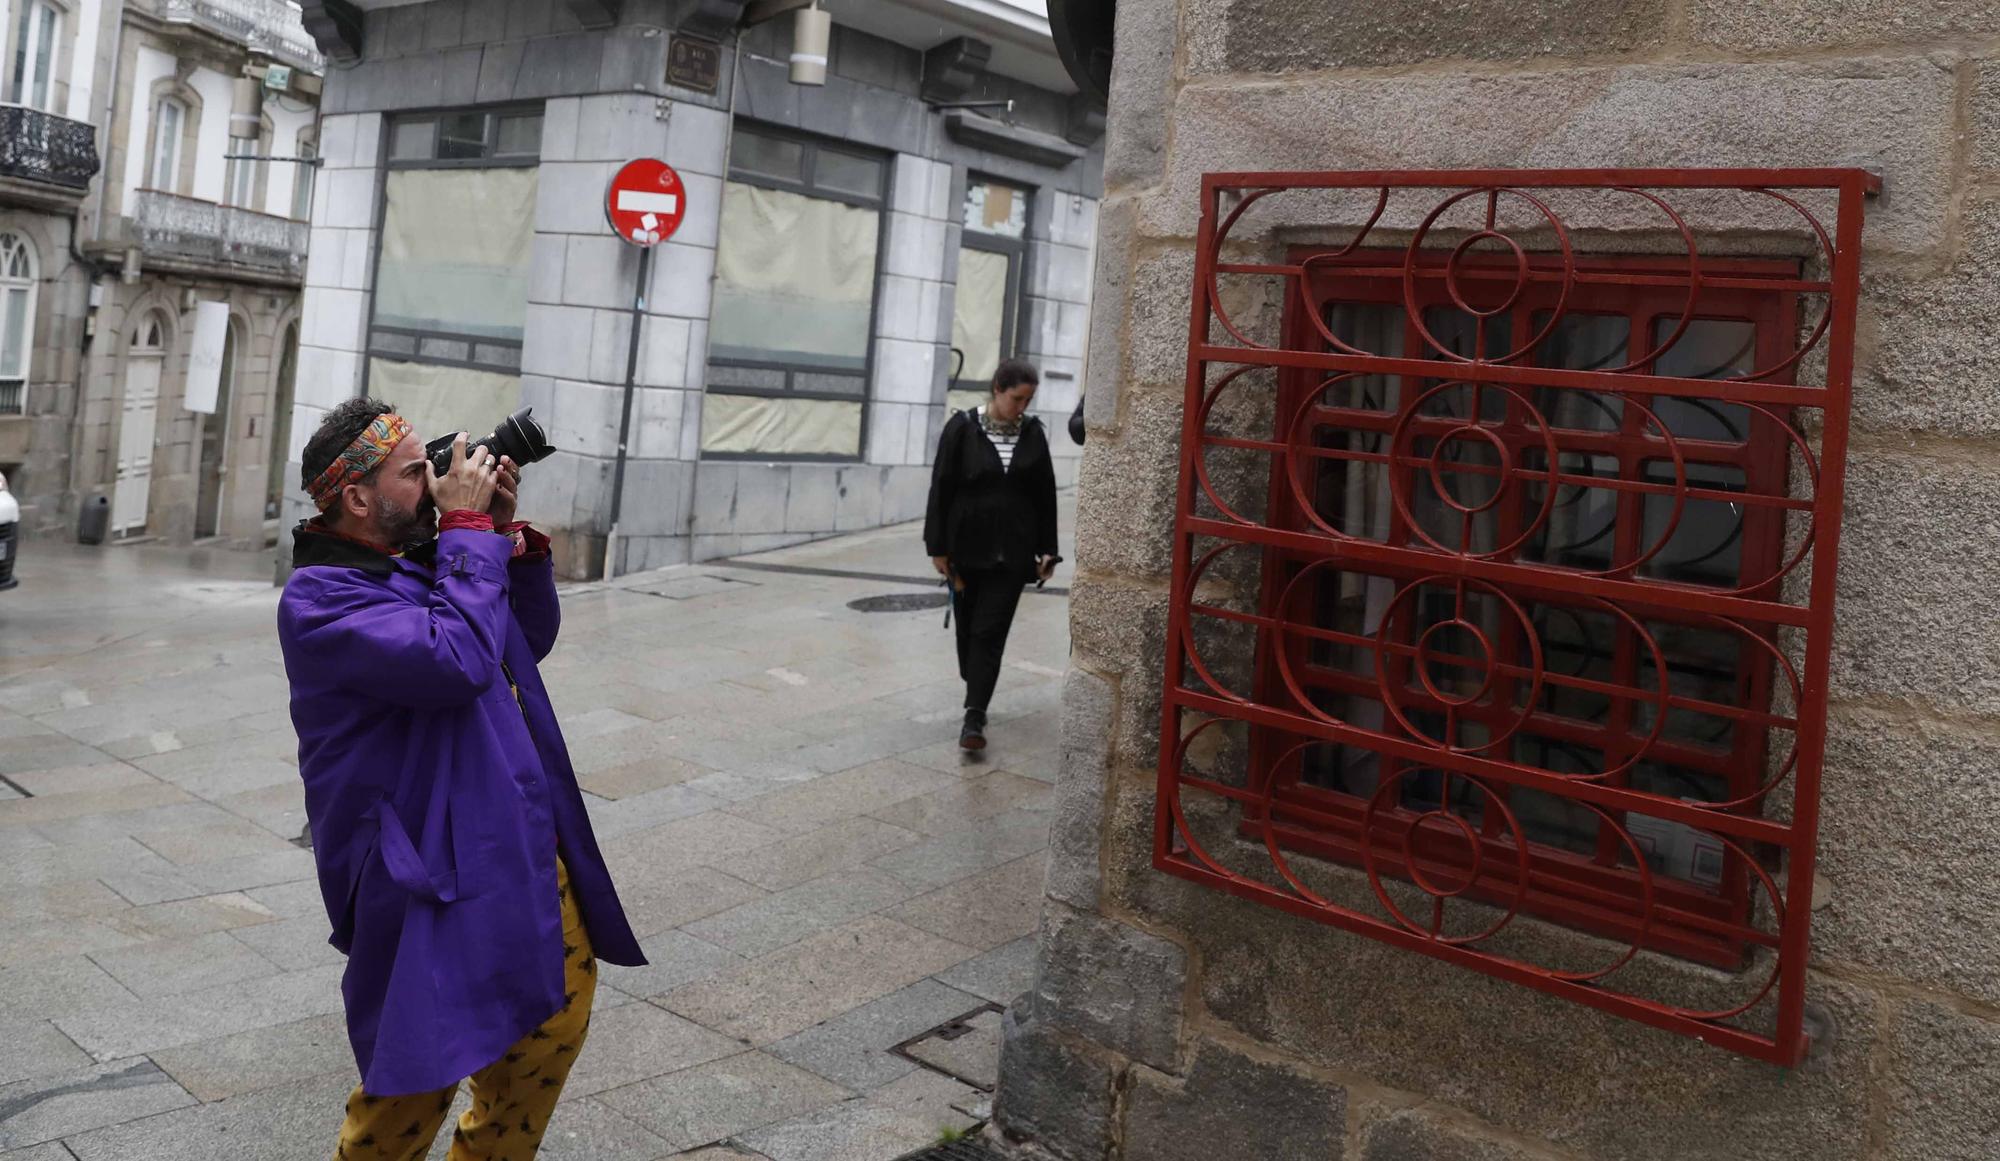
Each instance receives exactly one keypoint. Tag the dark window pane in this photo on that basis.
(848, 174)
(462, 136)
(414, 141)
(1708, 349)
(520, 135)
(1706, 546)
(753, 152)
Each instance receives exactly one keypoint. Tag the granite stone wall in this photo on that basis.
(1173, 1021)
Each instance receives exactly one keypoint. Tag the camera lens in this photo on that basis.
(518, 437)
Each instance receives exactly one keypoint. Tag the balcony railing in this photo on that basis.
(43, 147)
(271, 27)
(169, 225)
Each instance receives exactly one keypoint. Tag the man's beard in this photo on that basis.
(403, 527)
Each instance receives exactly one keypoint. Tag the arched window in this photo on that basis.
(17, 321)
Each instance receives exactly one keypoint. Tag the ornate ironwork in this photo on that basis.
(271, 27)
(1504, 572)
(43, 147)
(170, 225)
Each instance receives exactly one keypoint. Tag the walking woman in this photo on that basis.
(991, 527)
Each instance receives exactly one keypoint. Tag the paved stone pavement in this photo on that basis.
(816, 874)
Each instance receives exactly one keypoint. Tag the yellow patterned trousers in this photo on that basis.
(512, 1098)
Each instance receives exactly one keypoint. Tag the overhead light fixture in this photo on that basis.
(812, 34)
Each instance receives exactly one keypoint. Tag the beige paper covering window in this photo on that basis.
(965, 400)
(979, 311)
(795, 278)
(438, 400)
(779, 426)
(456, 249)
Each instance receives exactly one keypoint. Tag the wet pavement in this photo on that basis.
(818, 875)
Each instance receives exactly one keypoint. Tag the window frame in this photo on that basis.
(46, 34)
(1562, 882)
(807, 186)
(1014, 310)
(169, 142)
(15, 245)
(489, 159)
(491, 132)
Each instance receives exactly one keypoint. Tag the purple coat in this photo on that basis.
(437, 804)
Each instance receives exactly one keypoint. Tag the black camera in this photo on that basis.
(518, 437)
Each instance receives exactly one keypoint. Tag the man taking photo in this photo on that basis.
(455, 859)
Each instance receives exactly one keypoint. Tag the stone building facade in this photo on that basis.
(797, 353)
(1173, 1021)
(163, 93)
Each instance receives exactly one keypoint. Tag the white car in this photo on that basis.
(10, 534)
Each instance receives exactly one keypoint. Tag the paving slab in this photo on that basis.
(802, 858)
(811, 805)
(59, 1104)
(794, 988)
(988, 843)
(673, 958)
(143, 1026)
(48, 988)
(292, 944)
(680, 896)
(964, 801)
(189, 917)
(906, 1115)
(633, 1042)
(985, 910)
(287, 1122)
(163, 967)
(724, 1098)
(1000, 975)
(30, 1047)
(852, 1049)
(260, 1058)
(785, 917)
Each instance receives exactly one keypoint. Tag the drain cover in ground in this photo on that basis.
(899, 602)
(967, 1048)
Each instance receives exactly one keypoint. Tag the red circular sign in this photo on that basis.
(645, 202)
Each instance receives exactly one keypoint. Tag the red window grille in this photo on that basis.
(1530, 555)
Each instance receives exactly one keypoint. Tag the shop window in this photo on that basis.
(17, 322)
(790, 333)
(1503, 576)
(451, 279)
(37, 37)
(986, 308)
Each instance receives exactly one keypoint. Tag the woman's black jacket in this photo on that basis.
(985, 518)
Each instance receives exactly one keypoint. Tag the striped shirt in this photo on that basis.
(1004, 444)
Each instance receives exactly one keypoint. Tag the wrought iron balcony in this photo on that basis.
(271, 27)
(167, 225)
(43, 147)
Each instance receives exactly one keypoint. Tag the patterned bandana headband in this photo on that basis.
(362, 456)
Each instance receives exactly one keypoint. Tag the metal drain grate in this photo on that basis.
(956, 1151)
(900, 602)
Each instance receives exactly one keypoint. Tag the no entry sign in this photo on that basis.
(645, 202)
